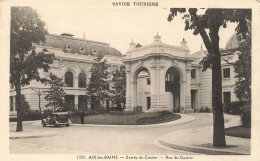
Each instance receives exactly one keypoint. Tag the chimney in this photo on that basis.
(184, 43)
(132, 46)
(138, 45)
(157, 38)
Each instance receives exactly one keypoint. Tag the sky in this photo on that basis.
(117, 26)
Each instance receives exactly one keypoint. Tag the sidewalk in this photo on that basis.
(30, 134)
(199, 140)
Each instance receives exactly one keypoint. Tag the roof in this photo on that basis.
(232, 42)
(200, 53)
(69, 44)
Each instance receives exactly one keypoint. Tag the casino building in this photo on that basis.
(159, 76)
(74, 58)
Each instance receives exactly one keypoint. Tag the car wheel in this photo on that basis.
(67, 125)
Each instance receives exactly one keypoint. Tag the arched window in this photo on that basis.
(82, 80)
(69, 79)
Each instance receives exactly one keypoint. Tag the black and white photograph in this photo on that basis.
(138, 80)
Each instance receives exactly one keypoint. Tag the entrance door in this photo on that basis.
(82, 102)
(193, 99)
(227, 97)
(69, 100)
(148, 102)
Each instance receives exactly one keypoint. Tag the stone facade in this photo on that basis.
(177, 82)
(159, 76)
(77, 59)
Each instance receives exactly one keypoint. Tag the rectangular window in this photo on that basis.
(226, 73)
(227, 97)
(193, 73)
(148, 81)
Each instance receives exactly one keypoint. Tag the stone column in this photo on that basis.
(161, 87)
(76, 82)
(133, 94)
(128, 91)
(153, 76)
(182, 96)
(76, 101)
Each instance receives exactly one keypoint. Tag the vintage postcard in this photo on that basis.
(129, 80)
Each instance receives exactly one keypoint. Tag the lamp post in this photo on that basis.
(39, 92)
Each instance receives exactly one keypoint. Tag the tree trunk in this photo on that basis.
(19, 126)
(218, 118)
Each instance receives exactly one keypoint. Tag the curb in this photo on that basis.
(34, 136)
(188, 118)
(195, 149)
(203, 150)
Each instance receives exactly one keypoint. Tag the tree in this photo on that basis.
(56, 94)
(98, 87)
(243, 69)
(25, 105)
(25, 62)
(243, 74)
(211, 20)
(119, 87)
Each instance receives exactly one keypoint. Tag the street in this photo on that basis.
(102, 140)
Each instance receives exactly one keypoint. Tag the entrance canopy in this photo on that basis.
(160, 61)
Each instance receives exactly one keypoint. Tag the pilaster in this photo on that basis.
(128, 91)
(188, 90)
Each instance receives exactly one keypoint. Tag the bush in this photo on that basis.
(205, 109)
(116, 109)
(32, 115)
(233, 107)
(98, 110)
(246, 115)
(163, 115)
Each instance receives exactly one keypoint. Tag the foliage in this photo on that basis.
(32, 115)
(233, 107)
(119, 88)
(246, 115)
(201, 21)
(243, 68)
(55, 95)
(26, 28)
(212, 19)
(243, 74)
(98, 87)
(24, 104)
(205, 109)
(46, 113)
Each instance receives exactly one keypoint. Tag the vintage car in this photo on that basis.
(56, 119)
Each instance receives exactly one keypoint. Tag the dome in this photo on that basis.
(69, 44)
(232, 42)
